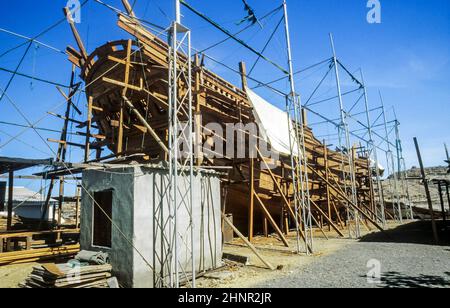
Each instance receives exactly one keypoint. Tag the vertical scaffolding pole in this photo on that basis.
(344, 126)
(373, 150)
(297, 139)
(396, 206)
(181, 165)
(402, 170)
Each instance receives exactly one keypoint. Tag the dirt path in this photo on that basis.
(403, 254)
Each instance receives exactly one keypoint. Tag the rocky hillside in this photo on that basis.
(416, 188)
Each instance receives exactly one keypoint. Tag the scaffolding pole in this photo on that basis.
(297, 139)
(402, 171)
(351, 214)
(393, 181)
(181, 164)
(372, 150)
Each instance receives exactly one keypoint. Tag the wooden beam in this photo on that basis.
(288, 205)
(327, 176)
(271, 220)
(329, 221)
(123, 84)
(145, 123)
(251, 214)
(87, 150)
(242, 237)
(10, 200)
(348, 200)
(128, 8)
(243, 70)
(427, 192)
(75, 33)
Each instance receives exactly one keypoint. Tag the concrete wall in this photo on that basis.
(121, 181)
(140, 206)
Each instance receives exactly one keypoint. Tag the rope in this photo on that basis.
(42, 33)
(220, 28)
(15, 71)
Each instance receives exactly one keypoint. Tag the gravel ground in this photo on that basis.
(406, 257)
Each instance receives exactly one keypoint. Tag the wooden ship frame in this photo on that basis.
(126, 86)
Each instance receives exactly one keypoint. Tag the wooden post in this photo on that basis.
(145, 123)
(251, 214)
(87, 151)
(243, 70)
(253, 248)
(427, 191)
(327, 176)
(305, 117)
(128, 8)
(448, 194)
(60, 205)
(265, 227)
(77, 208)
(346, 198)
(10, 200)
(2, 196)
(441, 198)
(124, 94)
(75, 33)
(371, 189)
(271, 220)
(119, 146)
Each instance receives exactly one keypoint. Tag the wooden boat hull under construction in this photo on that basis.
(260, 200)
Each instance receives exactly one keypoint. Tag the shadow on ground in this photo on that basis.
(418, 232)
(397, 280)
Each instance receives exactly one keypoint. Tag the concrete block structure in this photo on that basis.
(129, 218)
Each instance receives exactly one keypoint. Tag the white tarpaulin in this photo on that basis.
(273, 124)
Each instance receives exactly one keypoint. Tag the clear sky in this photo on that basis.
(406, 57)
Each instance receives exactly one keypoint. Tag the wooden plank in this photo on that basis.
(329, 221)
(251, 214)
(327, 177)
(236, 258)
(253, 248)
(287, 203)
(349, 201)
(145, 123)
(271, 220)
(122, 84)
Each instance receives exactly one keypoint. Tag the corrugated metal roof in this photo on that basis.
(22, 194)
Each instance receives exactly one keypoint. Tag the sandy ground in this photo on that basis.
(291, 265)
(12, 275)
(405, 257)
(238, 276)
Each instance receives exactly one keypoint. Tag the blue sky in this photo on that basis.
(406, 57)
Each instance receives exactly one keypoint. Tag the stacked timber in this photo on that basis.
(3, 222)
(36, 255)
(50, 276)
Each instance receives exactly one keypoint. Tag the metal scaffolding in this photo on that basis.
(380, 214)
(299, 163)
(343, 131)
(181, 161)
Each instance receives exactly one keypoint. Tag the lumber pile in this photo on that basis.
(69, 275)
(36, 255)
(3, 222)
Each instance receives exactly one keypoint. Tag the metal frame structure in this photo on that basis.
(181, 164)
(300, 180)
(343, 128)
